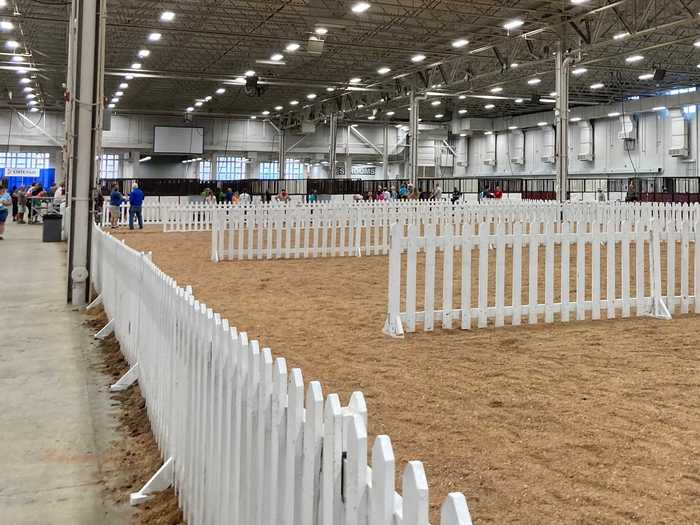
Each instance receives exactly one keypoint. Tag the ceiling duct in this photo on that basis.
(314, 46)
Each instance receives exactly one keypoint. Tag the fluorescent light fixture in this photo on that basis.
(355, 80)
(360, 106)
(462, 97)
(439, 115)
(577, 2)
(513, 24)
(276, 57)
(614, 114)
(514, 65)
(167, 16)
(20, 70)
(417, 58)
(129, 77)
(293, 102)
(371, 117)
(291, 47)
(25, 80)
(579, 71)
(575, 119)
(489, 106)
(249, 73)
(123, 85)
(198, 104)
(111, 106)
(154, 37)
(32, 103)
(330, 89)
(512, 127)
(253, 117)
(265, 113)
(135, 65)
(311, 96)
(553, 94)
(278, 108)
(541, 124)
(620, 36)
(658, 108)
(436, 103)
(32, 96)
(221, 91)
(33, 110)
(597, 85)
(462, 134)
(390, 113)
(696, 43)
(190, 109)
(462, 111)
(17, 58)
(145, 159)
(11, 44)
(119, 94)
(144, 53)
(115, 100)
(360, 7)
(461, 42)
(321, 31)
(28, 89)
(519, 100)
(207, 98)
(646, 76)
(634, 58)
(548, 101)
(488, 132)
(534, 81)
(383, 70)
(496, 89)
(6, 25)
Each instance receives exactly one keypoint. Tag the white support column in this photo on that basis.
(282, 154)
(413, 136)
(561, 117)
(385, 152)
(333, 144)
(87, 121)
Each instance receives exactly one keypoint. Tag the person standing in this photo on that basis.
(456, 196)
(115, 201)
(5, 206)
(15, 205)
(136, 197)
(228, 198)
(498, 194)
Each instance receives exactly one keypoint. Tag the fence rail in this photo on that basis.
(569, 269)
(248, 441)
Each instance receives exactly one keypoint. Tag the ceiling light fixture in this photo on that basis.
(111, 106)
(293, 46)
(553, 94)
(461, 42)
(489, 106)
(436, 103)
(439, 115)
(360, 7)
(462, 111)
(17, 58)
(462, 97)
(646, 76)
(514, 65)
(513, 24)
(360, 106)
(123, 85)
(198, 104)
(579, 71)
(167, 16)
(519, 100)
(534, 81)
(614, 114)
(7, 26)
(575, 119)
(293, 102)
(129, 77)
(658, 108)
(417, 58)
(371, 117)
(383, 70)
(154, 37)
(119, 94)
(276, 57)
(634, 58)
(541, 123)
(311, 96)
(28, 89)
(253, 117)
(620, 36)
(265, 113)
(249, 73)
(32, 103)
(25, 80)
(597, 85)
(144, 53)
(488, 132)
(135, 65)
(496, 89)
(390, 113)
(355, 80)
(208, 98)
(512, 127)
(115, 100)
(321, 31)
(330, 89)
(278, 108)
(221, 91)
(12, 44)
(190, 109)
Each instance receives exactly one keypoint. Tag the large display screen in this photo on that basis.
(178, 140)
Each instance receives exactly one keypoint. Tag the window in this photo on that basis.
(109, 166)
(294, 169)
(24, 159)
(230, 168)
(205, 170)
(680, 91)
(689, 109)
(269, 170)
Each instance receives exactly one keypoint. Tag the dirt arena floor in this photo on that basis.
(588, 422)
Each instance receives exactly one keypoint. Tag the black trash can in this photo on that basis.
(52, 227)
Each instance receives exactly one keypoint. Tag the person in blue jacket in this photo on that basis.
(135, 203)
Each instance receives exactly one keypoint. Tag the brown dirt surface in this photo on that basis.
(130, 461)
(586, 422)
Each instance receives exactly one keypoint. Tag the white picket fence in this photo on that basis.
(154, 213)
(247, 442)
(499, 250)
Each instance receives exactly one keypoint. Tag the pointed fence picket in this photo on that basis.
(250, 443)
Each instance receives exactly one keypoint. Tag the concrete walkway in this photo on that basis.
(55, 418)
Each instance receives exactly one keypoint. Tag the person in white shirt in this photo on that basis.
(387, 194)
(59, 196)
(246, 198)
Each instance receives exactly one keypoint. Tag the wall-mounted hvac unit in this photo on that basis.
(517, 147)
(629, 128)
(490, 155)
(585, 148)
(679, 134)
(548, 145)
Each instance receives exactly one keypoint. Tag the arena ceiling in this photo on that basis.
(210, 44)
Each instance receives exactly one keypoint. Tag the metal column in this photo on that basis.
(413, 136)
(282, 154)
(385, 152)
(561, 117)
(86, 112)
(333, 145)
